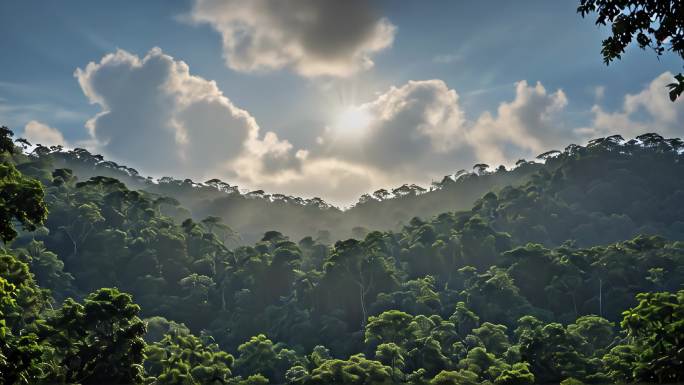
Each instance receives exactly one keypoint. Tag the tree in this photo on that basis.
(480, 168)
(28, 301)
(518, 374)
(21, 199)
(99, 341)
(48, 269)
(483, 363)
(260, 356)
(618, 363)
(464, 319)
(461, 377)
(22, 358)
(215, 225)
(297, 375)
(493, 337)
(353, 269)
(656, 325)
(182, 358)
(357, 370)
(554, 353)
(389, 327)
(655, 24)
(393, 356)
(596, 330)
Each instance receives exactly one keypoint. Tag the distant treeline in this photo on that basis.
(251, 213)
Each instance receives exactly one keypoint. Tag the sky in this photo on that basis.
(321, 98)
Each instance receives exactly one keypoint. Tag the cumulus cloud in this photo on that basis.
(530, 124)
(419, 131)
(533, 121)
(40, 133)
(405, 130)
(313, 37)
(647, 111)
(157, 115)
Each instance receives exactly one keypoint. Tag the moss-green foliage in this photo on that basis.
(357, 370)
(656, 326)
(20, 355)
(97, 341)
(182, 358)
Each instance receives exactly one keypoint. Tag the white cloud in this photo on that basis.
(405, 130)
(528, 125)
(40, 133)
(313, 37)
(533, 121)
(647, 111)
(158, 116)
(410, 133)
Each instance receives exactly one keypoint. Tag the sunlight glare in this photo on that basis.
(352, 121)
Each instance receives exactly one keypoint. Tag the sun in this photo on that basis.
(351, 120)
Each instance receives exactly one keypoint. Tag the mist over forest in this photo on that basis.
(336, 221)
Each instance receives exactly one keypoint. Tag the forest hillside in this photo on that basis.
(570, 270)
(251, 213)
(580, 183)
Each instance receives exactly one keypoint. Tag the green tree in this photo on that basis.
(618, 363)
(389, 327)
(261, 356)
(47, 268)
(461, 377)
(21, 198)
(518, 374)
(493, 337)
(596, 330)
(357, 370)
(256, 356)
(553, 352)
(391, 355)
(99, 341)
(464, 319)
(182, 358)
(21, 356)
(656, 326)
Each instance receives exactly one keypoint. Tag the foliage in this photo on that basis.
(528, 286)
(21, 198)
(657, 325)
(182, 358)
(99, 341)
(357, 370)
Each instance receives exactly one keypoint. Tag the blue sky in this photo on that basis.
(479, 50)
